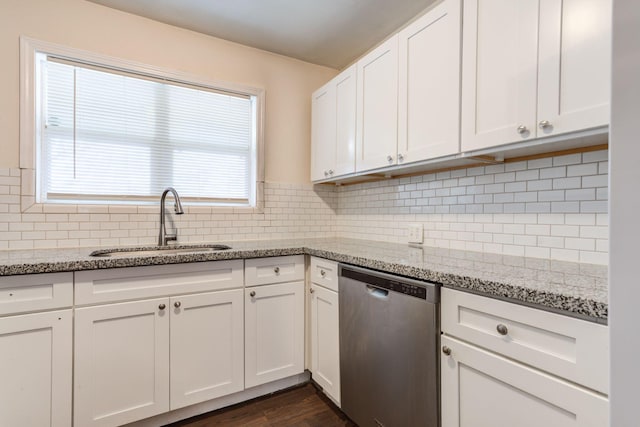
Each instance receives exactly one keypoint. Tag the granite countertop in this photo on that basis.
(574, 289)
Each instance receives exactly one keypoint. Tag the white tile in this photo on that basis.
(600, 206)
(565, 255)
(570, 159)
(580, 244)
(581, 194)
(527, 175)
(566, 183)
(551, 196)
(583, 169)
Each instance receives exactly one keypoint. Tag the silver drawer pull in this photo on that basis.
(311, 290)
(323, 273)
(276, 270)
(162, 307)
(446, 350)
(502, 329)
(252, 294)
(522, 129)
(177, 304)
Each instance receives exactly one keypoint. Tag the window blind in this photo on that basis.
(112, 136)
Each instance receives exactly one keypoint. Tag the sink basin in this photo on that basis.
(124, 253)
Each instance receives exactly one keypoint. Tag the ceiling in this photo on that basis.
(325, 32)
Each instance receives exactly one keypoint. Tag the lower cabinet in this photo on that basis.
(483, 389)
(325, 343)
(274, 332)
(137, 359)
(35, 368)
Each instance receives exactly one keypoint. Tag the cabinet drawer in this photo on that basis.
(35, 292)
(324, 273)
(264, 271)
(570, 348)
(120, 284)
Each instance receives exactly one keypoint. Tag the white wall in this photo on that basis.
(85, 25)
(624, 289)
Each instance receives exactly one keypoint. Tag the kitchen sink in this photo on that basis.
(157, 251)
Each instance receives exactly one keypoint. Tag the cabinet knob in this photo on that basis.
(323, 273)
(400, 158)
(330, 171)
(522, 129)
(162, 306)
(252, 294)
(276, 270)
(390, 159)
(311, 290)
(502, 329)
(326, 173)
(544, 124)
(446, 350)
(177, 304)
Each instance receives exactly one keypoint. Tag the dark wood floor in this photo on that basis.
(304, 406)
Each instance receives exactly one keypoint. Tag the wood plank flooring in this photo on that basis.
(303, 406)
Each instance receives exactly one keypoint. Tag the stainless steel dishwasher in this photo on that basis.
(389, 338)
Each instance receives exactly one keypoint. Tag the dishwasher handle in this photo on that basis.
(377, 292)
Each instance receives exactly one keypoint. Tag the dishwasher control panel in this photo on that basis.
(388, 284)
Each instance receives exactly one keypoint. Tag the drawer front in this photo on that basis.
(564, 346)
(121, 284)
(32, 292)
(280, 269)
(324, 273)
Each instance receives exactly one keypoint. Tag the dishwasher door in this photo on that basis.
(389, 339)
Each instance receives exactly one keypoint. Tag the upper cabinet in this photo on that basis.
(377, 107)
(533, 68)
(429, 85)
(333, 137)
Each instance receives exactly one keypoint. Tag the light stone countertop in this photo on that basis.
(574, 289)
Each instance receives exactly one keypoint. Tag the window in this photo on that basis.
(109, 134)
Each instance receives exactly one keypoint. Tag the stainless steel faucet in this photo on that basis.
(163, 237)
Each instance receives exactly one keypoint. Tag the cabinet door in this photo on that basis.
(499, 72)
(325, 354)
(207, 346)
(323, 131)
(429, 85)
(274, 332)
(481, 389)
(377, 107)
(121, 362)
(345, 92)
(35, 367)
(574, 65)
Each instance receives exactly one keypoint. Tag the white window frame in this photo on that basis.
(31, 48)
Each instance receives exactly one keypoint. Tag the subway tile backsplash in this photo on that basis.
(554, 207)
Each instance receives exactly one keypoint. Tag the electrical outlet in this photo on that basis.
(415, 233)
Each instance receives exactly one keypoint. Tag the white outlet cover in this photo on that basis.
(415, 233)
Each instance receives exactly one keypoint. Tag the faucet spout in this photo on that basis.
(163, 237)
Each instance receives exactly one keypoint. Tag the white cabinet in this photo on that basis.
(36, 350)
(377, 107)
(207, 346)
(274, 319)
(533, 68)
(325, 342)
(121, 363)
(506, 364)
(334, 127)
(35, 367)
(482, 389)
(429, 85)
(137, 359)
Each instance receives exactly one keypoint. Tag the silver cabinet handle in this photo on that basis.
(522, 129)
(330, 171)
(446, 350)
(502, 329)
(323, 273)
(311, 290)
(162, 306)
(544, 124)
(276, 270)
(177, 304)
(252, 294)
(390, 159)
(400, 157)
